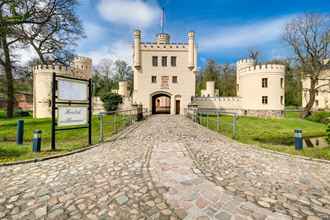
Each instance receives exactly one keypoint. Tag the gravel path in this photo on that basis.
(167, 168)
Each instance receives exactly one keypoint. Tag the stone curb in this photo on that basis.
(264, 150)
(36, 160)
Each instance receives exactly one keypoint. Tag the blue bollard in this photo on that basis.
(20, 132)
(36, 141)
(298, 139)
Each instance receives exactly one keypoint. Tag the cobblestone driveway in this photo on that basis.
(167, 168)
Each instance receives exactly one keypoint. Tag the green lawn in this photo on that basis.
(66, 140)
(274, 134)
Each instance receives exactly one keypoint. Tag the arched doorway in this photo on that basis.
(161, 103)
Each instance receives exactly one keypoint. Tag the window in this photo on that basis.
(317, 103)
(173, 61)
(174, 79)
(282, 83)
(264, 83)
(282, 100)
(154, 79)
(317, 92)
(164, 82)
(265, 100)
(164, 61)
(154, 61)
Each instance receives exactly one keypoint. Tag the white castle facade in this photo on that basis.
(322, 96)
(164, 73)
(259, 88)
(165, 82)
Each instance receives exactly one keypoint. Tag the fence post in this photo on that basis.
(114, 123)
(217, 121)
(234, 126)
(101, 128)
(207, 119)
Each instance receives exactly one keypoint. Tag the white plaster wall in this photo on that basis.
(251, 90)
(42, 82)
(323, 96)
(184, 89)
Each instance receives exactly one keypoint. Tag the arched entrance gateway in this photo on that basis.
(161, 103)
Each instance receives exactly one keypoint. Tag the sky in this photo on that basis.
(225, 29)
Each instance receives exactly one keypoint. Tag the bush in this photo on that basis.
(328, 134)
(111, 101)
(320, 117)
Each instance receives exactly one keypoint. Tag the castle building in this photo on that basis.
(322, 96)
(42, 82)
(260, 91)
(164, 73)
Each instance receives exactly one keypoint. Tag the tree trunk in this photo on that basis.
(311, 100)
(9, 77)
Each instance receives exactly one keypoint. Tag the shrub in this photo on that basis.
(328, 134)
(321, 117)
(111, 101)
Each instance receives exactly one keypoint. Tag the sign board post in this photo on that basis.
(71, 106)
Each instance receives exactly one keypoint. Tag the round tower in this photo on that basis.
(262, 90)
(163, 38)
(191, 50)
(210, 88)
(241, 65)
(137, 49)
(123, 88)
(42, 84)
(84, 67)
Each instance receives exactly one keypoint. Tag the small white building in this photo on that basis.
(164, 73)
(322, 98)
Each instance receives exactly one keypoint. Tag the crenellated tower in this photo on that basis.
(261, 87)
(81, 67)
(240, 66)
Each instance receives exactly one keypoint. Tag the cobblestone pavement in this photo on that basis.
(167, 168)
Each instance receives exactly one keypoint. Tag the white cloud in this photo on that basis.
(93, 31)
(134, 13)
(24, 55)
(244, 36)
(119, 50)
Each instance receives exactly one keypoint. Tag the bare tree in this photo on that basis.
(308, 37)
(55, 39)
(18, 15)
(254, 54)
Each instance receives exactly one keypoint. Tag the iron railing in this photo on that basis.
(114, 121)
(215, 119)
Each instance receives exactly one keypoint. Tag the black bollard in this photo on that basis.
(20, 132)
(36, 141)
(298, 139)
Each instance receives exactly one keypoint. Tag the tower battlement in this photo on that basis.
(245, 61)
(264, 68)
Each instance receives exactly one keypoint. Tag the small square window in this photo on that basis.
(164, 61)
(173, 61)
(264, 82)
(154, 79)
(154, 61)
(174, 79)
(265, 100)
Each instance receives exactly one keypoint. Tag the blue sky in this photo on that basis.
(225, 29)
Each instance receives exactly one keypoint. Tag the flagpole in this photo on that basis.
(162, 20)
